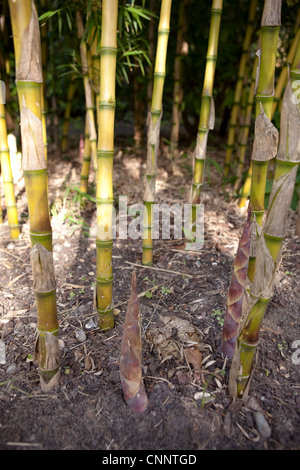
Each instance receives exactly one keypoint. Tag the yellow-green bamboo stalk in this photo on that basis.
(67, 113)
(84, 177)
(207, 117)
(270, 26)
(1, 213)
(153, 122)
(278, 93)
(44, 48)
(95, 70)
(89, 95)
(105, 154)
(138, 110)
(283, 77)
(7, 178)
(268, 250)
(239, 86)
(27, 46)
(243, 137)
(151, 54)
(177, 87)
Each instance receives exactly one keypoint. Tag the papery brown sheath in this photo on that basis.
(131, 355)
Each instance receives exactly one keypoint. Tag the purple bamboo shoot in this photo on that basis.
(131, 355)
(236, 292)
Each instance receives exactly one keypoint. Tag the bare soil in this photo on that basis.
(182, 304)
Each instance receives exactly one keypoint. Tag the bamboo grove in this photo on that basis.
(117, 42)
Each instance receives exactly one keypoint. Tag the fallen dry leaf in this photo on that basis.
(194, 357)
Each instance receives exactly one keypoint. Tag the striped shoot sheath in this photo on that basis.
(105, 157)
(153, 123)
(131, 355)
(27, 46)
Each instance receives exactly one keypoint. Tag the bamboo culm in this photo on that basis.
(269, 244)
(153, 123)
(207, 112)
(105, 157)
(270, 27)
(27, 46)
(7, 177)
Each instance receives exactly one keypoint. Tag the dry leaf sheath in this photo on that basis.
(131, 355)
(236, 291)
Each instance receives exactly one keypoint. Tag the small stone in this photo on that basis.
(201, 395)
(90, 324)
(80, 335)
(2, 352)
(11, 369)
(262, 425)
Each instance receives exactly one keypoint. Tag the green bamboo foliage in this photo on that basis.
(270, 26)
(7, 177)
(89, 94)
(27, 46)
(67, 113)
(207, 114)
(153, 123)
(105, 155)
(239, 86)
(270, 241)
(177, 88)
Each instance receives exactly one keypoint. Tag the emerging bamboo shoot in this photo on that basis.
(131, 355)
